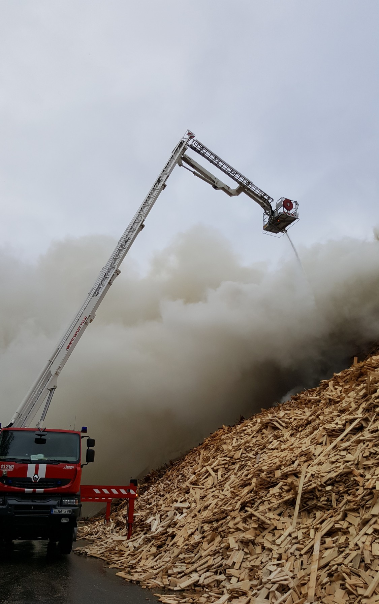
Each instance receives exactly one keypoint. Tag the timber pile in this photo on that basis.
(283, 507)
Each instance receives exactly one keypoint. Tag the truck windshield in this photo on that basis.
(19, 445)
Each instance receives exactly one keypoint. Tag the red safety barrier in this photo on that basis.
(106, 494)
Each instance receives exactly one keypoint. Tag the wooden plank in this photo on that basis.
(297, 506)
(187, 582)
(284, 536)
(336, 441)
(362, 532)
(371, 588)
(328, 558)
(285, 597)
(223, 599)
(258, 515)
(241, 586)
(324, 529)
(314, 568)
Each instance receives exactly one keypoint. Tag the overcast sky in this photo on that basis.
(95, 94)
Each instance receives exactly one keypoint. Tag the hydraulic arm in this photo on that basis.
(275, 220)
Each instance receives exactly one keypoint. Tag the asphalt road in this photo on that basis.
(29, 576)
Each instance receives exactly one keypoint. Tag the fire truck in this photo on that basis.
(40, 484)
(40, 468)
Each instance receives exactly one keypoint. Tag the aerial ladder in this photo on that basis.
(276, 220)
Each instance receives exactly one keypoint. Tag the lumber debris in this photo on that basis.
(314, 569)
(281, 508)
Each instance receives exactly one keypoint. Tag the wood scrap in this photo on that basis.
(236, 520)
(297, 506)
(314, 569)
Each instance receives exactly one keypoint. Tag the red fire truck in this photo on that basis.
(40, 474)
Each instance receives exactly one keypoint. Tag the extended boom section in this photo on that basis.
(275, 220)
(43, 389)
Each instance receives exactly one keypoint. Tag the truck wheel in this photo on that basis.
(65, 541)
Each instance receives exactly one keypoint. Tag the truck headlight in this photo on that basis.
(70, 501)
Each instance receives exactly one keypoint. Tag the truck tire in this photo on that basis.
(65, 541)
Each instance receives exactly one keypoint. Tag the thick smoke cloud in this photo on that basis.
(194, 343)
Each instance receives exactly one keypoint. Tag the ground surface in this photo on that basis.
(29, 576)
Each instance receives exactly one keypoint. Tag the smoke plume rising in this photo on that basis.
(194, 343)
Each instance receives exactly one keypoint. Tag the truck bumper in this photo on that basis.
(29, 518)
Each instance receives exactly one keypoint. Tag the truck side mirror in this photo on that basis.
(90, 456)
(91, 442)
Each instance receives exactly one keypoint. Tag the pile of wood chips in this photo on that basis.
(283, 507)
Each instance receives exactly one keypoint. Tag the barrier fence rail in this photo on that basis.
(106, 494)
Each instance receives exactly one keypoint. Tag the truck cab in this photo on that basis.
(40, 474)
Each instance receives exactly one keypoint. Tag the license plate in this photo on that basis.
(60, 511)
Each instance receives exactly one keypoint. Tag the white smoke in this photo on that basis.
(196, 342)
